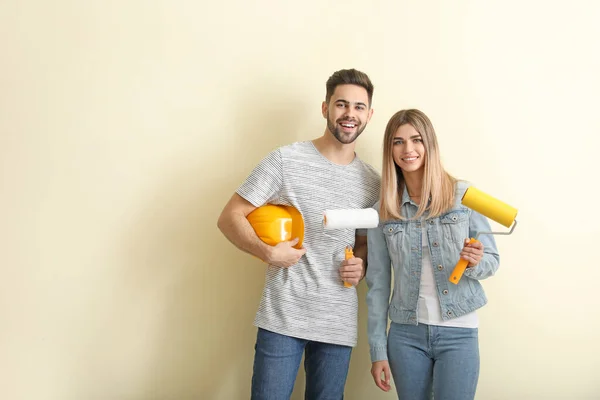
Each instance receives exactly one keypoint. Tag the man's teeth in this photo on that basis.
(348, 125)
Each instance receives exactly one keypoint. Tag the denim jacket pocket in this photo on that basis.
(393, 236)
(455, 225)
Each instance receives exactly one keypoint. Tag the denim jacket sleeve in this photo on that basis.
(491, 259)
(379, 282)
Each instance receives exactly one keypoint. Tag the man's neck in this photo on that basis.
(333, 150)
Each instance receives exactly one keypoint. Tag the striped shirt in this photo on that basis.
(308, 300)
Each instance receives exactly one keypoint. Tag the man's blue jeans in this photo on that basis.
(277, 359)
(427, 358)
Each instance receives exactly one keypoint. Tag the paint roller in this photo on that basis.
(491, 208)
(363, 218)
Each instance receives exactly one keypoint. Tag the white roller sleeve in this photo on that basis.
(361, 218)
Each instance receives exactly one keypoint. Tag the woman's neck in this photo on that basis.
(414, 183)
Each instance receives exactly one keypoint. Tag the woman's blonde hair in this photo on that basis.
(438, 185)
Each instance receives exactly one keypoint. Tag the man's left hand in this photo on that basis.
(352, 270)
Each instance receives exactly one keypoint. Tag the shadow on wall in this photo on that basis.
(204, 291)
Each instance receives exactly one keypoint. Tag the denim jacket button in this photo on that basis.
(445, 292)
(440, 267)
(391, 229)
(435, 244)
(450, 313)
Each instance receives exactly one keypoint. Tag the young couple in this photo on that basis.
(431, 347)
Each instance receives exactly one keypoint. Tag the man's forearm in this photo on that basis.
(239, 232)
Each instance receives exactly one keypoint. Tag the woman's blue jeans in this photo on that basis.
(429, 361)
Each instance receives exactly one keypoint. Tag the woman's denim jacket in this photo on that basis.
(397, 243)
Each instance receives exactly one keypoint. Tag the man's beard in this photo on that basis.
(341, 136)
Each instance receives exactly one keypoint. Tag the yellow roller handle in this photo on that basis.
(348, 253)
(459, 270)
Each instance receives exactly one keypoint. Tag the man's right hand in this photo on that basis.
(381, 368)
(284, 254)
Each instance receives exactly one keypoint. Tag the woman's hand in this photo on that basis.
(472, 252)
(381, 368)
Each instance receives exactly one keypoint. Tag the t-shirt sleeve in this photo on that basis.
(265, 182)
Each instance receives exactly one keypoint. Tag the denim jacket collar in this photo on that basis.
(406, 199)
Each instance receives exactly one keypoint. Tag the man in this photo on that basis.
(305, 307)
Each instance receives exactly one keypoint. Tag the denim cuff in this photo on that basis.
(469, 270)
(474, 272)
(379, 354)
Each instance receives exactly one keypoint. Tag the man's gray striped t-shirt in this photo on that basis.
(308, 300)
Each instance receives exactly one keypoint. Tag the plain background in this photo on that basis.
(126, 125)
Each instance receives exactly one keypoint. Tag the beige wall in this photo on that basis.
(126, 125)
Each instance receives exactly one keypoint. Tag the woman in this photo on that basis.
(432, 344)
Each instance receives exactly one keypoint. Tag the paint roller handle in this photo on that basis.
(460, 267)
(348, 254)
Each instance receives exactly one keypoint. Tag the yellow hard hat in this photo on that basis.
(275, 223)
